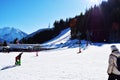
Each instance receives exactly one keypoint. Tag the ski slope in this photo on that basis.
(58, 64)
(61, 38)
(63, 63)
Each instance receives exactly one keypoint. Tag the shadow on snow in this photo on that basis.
(8, 67)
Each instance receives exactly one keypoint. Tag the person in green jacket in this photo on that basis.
(18, 59)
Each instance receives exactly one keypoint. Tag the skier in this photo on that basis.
(113, 72)
(18, 59)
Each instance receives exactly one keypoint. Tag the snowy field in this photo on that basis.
(63, 63)
(58, 64)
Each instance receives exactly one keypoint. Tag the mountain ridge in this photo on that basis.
(11, 33)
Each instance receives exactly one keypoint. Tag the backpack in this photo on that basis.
(117, 62)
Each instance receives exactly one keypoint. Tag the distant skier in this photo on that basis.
(18, 59)
(113, 68)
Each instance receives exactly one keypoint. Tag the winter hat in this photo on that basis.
(113, 47)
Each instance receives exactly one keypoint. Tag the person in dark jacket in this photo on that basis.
(113, 72)
(18, 59)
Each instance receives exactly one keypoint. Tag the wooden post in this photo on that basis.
(79, 47)
(79, 37)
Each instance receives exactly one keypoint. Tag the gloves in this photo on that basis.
(109, 73)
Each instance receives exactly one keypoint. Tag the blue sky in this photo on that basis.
(31, 15)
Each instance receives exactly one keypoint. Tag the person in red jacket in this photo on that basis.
(18, 59)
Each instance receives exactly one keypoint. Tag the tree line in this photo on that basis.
(47, 34)
(98, 24)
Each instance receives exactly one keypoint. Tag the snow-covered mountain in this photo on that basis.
(1, 40)
(9, 34)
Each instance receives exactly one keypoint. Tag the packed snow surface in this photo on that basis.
(58, 64)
